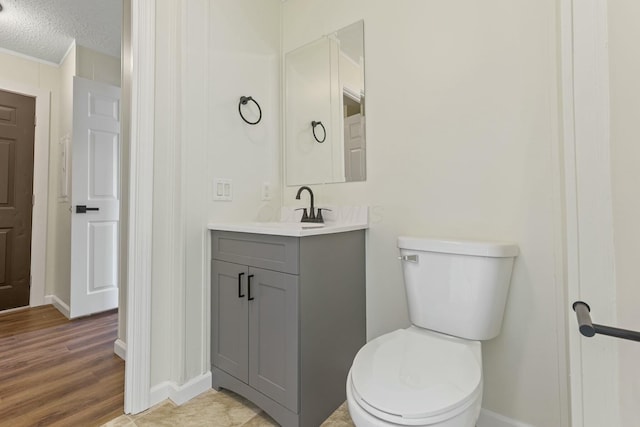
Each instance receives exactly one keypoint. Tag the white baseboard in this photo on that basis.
(13, 310)
(491, 419)
(120, 349)
(48, 299)
(180, 394)
(159, 392)
(59, 304)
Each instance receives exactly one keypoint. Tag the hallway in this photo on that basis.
(57, 372)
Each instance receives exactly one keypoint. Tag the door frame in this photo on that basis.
(139, 254)
(590, 268)
(40, 187)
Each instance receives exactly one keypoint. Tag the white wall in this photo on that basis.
(624, 56)
(199, 135)
(244, 61)
(462, 141)
(97, 66)
(59, 254)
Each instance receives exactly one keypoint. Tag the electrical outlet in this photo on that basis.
(266, 191)
(222, 189)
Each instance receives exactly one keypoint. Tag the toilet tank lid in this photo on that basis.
(457, 246)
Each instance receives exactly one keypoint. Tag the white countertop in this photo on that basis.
(339, 220)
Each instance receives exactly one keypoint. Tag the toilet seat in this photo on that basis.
(417, 377)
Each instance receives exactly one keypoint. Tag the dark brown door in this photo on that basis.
(17, 122)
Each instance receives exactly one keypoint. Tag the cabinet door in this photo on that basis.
(273, 335)
(229, 319)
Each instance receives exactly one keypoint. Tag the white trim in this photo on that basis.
(355, 96)
(69, 50)
(40, 187)
(492, 419)
(176, 215)
(180, 394)
(28, 58)
(571, 206)
(138, 366)
(60, 305)
(589, 218)
(160, 393)
(558, 116)
(120, 349)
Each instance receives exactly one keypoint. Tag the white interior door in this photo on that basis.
(354, 148)
(95, 197)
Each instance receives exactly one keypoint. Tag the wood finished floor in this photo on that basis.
(57, 372)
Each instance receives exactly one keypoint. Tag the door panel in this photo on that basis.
(354, 148)
(7, 160)
(17, 123)
(103, 246)
(229, 321)
(273, 335)
(95, 185)
(103, 155)
(4, 240)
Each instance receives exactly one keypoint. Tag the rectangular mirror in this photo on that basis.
(325, 110)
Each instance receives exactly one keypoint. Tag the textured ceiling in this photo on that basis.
(45, 29)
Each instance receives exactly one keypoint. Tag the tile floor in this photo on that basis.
(214, 409)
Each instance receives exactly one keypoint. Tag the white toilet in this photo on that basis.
(430, 374)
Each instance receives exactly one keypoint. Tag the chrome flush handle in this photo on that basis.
(409, 258)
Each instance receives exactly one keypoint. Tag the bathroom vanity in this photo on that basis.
(287, 315)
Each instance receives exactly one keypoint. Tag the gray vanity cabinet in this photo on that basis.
(255, 312)
(287, 318)
(229, 314)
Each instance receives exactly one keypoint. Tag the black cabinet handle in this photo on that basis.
(240, 295)
(249, 287)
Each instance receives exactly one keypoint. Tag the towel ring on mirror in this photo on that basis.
(313, 126)
(243, 101)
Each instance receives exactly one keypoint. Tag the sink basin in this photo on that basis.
(287, 225)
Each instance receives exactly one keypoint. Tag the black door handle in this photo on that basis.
(240, 294)
(250, 298)
(84, 209)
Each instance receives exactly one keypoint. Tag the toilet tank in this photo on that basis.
(457, 287)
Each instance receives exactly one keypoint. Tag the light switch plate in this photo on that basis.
(222, 189)
(266, 190)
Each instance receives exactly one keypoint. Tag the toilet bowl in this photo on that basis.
(415, 377)
(430, 374)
